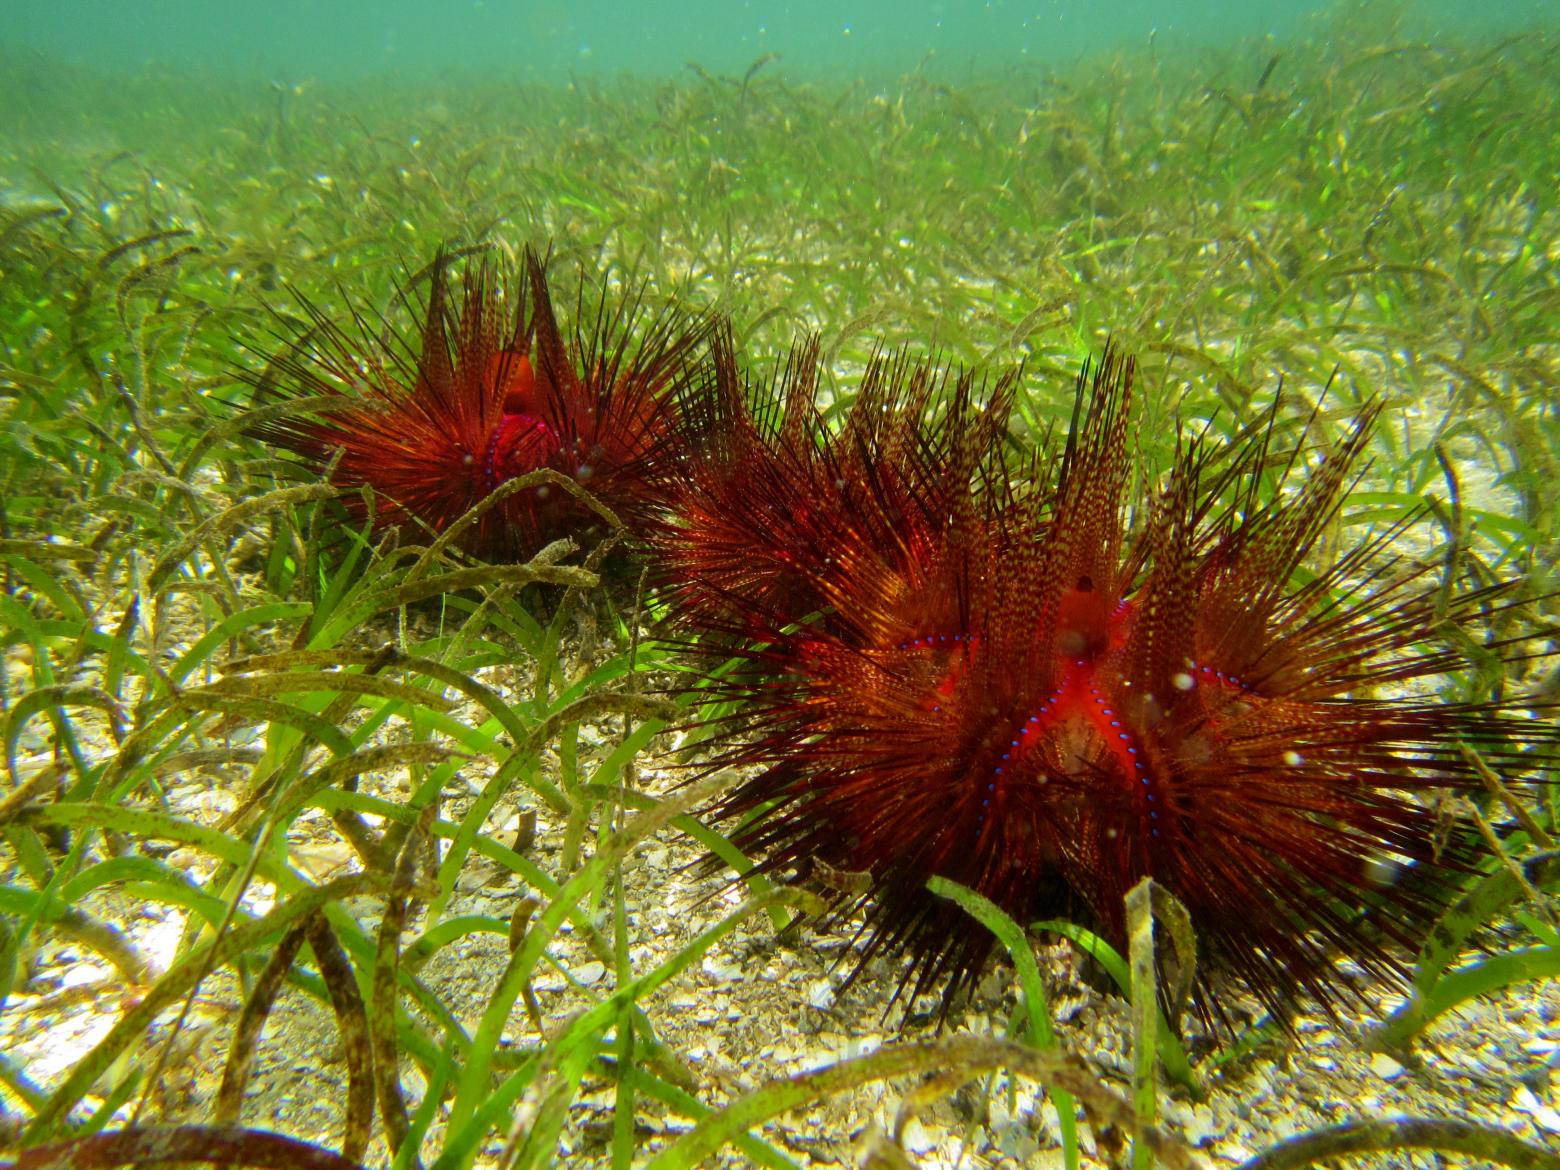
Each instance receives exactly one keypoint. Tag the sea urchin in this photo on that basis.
(490, 389)
(1070, 689)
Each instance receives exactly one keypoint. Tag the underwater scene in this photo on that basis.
(780, 584)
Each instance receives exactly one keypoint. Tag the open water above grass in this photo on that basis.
(291, 40)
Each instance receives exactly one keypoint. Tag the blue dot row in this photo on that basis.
(1227, 679)
(1137, 761)
(933, 640)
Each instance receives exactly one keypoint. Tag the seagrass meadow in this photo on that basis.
(326, 843)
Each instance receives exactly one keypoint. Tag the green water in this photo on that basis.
(546, 39)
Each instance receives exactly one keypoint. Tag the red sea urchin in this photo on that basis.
(1074, 690)
(491, 389)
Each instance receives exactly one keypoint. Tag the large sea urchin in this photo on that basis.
(1050, 692)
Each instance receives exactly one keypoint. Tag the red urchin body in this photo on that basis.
(490, 390)
(1075, 693)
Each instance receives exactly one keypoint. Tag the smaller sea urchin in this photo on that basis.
(1052, 691)
(490, 390)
